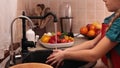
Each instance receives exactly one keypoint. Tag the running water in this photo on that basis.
(55, 24)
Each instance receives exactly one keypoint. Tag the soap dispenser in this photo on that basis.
(30, 34)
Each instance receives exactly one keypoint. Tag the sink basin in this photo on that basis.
(40, 56)
(37, 56)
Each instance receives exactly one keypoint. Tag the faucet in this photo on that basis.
(43, 17)
(24, 40)
(25, 43)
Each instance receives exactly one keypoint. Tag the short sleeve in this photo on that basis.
(114, 32)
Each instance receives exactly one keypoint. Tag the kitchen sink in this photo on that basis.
(40, 56)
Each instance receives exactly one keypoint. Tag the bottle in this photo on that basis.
(36, 39)
(30, 34)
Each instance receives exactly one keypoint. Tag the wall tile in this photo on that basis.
(90, 5)
(83, 11)
(100, 5)
(81, 4)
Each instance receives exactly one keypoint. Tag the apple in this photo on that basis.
(51, 41)
(88, 26)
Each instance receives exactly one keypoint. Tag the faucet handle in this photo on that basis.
(30, 44)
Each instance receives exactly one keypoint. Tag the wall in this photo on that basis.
(83, 11)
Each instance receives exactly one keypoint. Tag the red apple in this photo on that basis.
(51, 41)
(91, 26)
(88, 26)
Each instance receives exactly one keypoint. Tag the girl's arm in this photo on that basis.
(101, 48)
(86, 45)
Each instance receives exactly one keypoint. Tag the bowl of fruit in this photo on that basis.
(90, 31)
(59, 40)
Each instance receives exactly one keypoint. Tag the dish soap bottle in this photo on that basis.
(30, 34)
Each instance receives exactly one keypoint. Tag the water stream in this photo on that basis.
(55, 24)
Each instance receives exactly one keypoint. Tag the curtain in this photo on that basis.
(7, 13)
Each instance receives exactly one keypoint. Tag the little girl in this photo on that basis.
(106, 47)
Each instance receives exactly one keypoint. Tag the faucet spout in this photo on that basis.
(12, 52)
(54, 16)
(43, 17)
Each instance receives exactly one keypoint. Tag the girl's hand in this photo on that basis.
(56, 58)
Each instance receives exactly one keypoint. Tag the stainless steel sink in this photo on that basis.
(40, 56)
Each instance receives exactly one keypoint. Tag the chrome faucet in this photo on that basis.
(12, 52)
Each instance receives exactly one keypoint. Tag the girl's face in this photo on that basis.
(112, 5)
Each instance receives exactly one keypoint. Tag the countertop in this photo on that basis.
(77, 40)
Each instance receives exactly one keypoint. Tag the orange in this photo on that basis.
(83, 30)
(91, 33)
(92, 27)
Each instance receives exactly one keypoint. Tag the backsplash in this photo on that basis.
(83, 12)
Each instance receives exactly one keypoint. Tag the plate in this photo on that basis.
(58, 45)
(78, 35)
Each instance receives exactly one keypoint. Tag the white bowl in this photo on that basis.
(58, 45)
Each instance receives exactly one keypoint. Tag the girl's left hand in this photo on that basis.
(56, 58)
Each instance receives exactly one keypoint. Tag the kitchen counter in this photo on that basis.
(77, 40)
